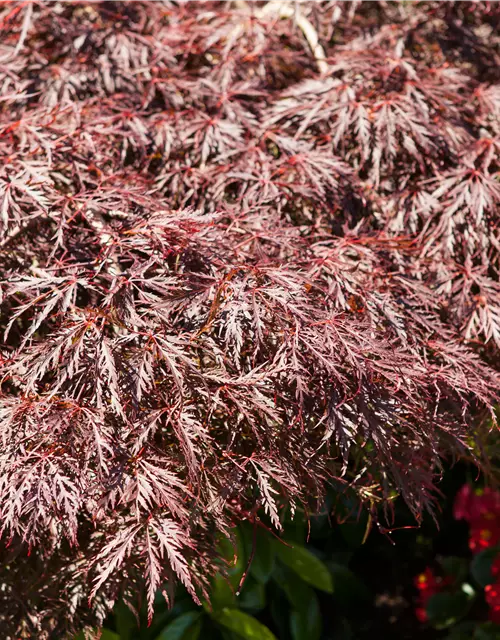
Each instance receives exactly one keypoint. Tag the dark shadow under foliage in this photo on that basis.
(245, 249)
(359, 583)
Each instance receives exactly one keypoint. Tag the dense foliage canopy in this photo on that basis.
(245, 250)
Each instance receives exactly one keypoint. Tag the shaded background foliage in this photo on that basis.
(247, 250)
(410, 582)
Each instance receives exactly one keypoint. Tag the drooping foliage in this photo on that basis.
(245, 250)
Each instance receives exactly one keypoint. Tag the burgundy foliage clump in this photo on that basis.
(246, 249)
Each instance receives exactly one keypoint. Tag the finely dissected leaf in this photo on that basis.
(231, 276)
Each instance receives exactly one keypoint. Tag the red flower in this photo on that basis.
(421, 614)
(484, 533)
(495, 567)
(492, 595)
(494, 615)
(473, 505)
(481, 509)
(428, 585)
(464, 503)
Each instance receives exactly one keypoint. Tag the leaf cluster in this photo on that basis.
(245, 251)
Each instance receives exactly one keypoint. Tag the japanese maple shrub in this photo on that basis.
(246, 249)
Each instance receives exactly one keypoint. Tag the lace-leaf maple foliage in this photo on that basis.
(245, 250)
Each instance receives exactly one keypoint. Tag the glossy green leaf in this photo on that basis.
(352, 529)
(296, 529)
(296, 590)
(243, 624)
(480, 566)
(224, 587)
(193, 633)
(306, 565)
(253, 595)
(305, 612)
(233, 551)
(445, 609)
(263, 561)
(222, 593)
(109, 635)
(163, 617)
(186, 627)
(126, 623)
(278, 608)
(305, 623)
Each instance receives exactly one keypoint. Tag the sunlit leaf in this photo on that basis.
(243, 624)
(305, 564)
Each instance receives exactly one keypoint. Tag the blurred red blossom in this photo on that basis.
(492, 595)
(481, 509)
(428, 584)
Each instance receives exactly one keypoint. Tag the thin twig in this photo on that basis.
(285, 10)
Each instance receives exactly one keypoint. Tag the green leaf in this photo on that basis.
(235, 555)
(487, 631)
(193, 633)
(253, 595)
(305, 617)
(186, 627)
(222, 593)
(296, 529)
(306, 565)
(109, 635)
(352, 529)
(223, 589)
(305, 623)
(297, 591)
(445, 609)
(278, 608)
(480, 566)
(264, 558)
(126, 623)
(243, 624)
(164, 616)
